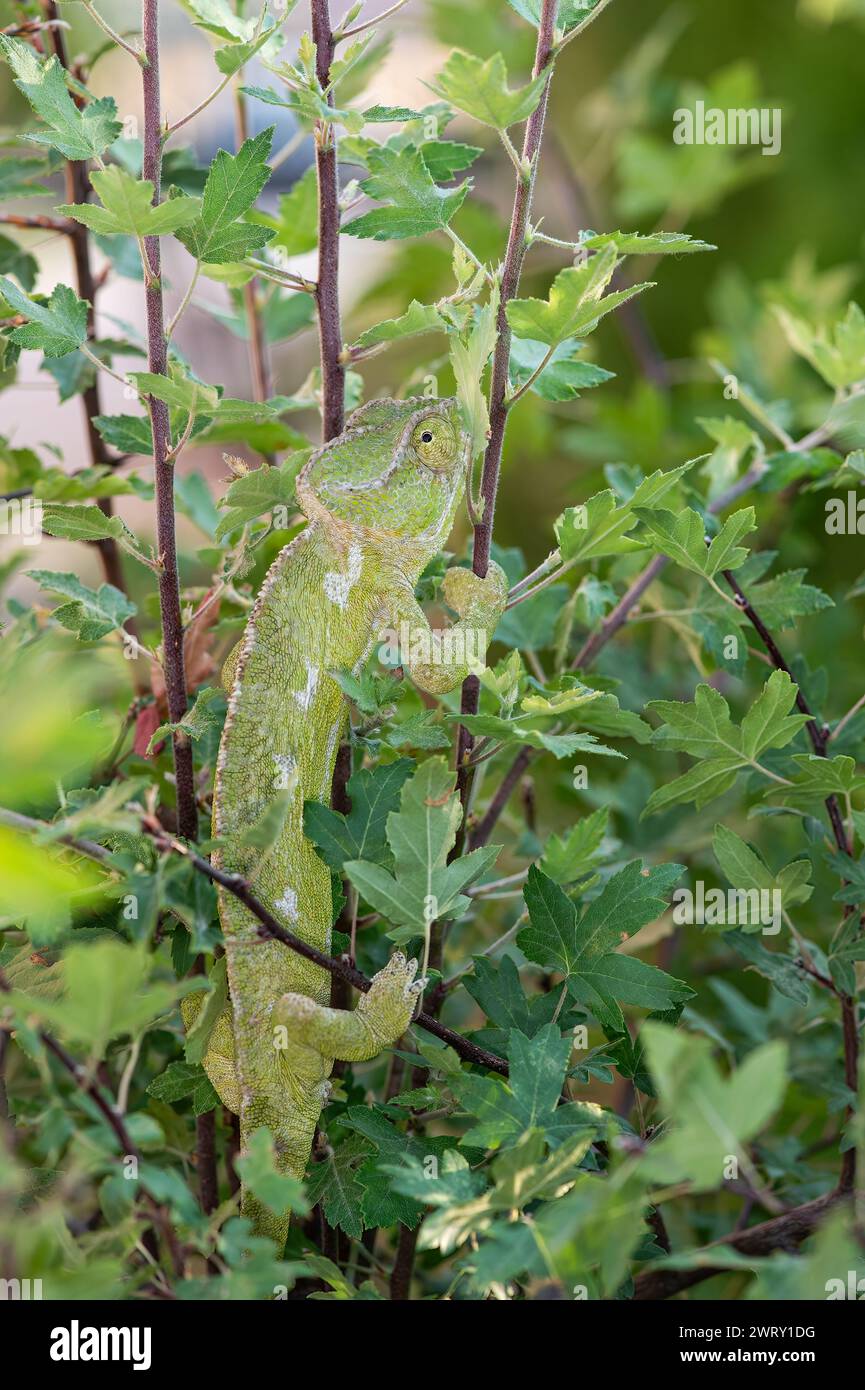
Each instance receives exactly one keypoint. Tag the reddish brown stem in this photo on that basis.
(157, 359)
(400, 1279)
(512, 269)
(327, 290)
(241, 890)
(205, 1156)
(782, 1233)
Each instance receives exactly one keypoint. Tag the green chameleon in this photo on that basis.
(380, 500)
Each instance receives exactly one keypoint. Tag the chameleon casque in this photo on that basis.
(380, 500)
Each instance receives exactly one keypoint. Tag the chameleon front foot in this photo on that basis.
(382, 1015)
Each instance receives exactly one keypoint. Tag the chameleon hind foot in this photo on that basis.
(355, 1035)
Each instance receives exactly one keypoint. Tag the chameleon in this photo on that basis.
(380, 500)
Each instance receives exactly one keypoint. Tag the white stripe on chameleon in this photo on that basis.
(288, 903)
(304, 697)
(286, 766)
(337, 587)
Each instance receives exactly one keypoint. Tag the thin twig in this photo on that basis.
(341, 34)
(500, 380)
(327, 289)
(112, 33)
(781, 1233)
(157, 359)
(241, 890)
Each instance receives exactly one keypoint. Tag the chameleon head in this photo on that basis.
(397, 470)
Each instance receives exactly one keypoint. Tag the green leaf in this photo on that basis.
(571, 12)
(705, 730)
(181, 1079)
(500, 994)
(333, 1183)
(127, 207)
(421, 834)
(414, 204)
(584, 950)
(18, 179)
(564, 376)
(505, 1110)
(713, 1116)
(374, 793)
(574, 855)
(79, 523)
(107, 994)
(575, 302)
(775, 966)
(600, 527)
(418, 318)
(469, 355)
(837, 353)
(681, 536)
(129, 434)
(523, 731)
(196, 722)
(16, 260)
(233, 56)
(234, 182)
(295, 225)
(260, 491)
(651, 244)
(480, 89)
(57, 326)
(745, 869)
(78, 133)
(178, 390)
(90, 612)
(816, 778)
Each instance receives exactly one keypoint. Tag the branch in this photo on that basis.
(781, 1233)
(157, 360)
(62, 225)
(341, 34)
(335, 966)
(499, 383)
(327, 289)
(113, 34)
(819, 736)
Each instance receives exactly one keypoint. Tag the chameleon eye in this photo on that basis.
(435, 443)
